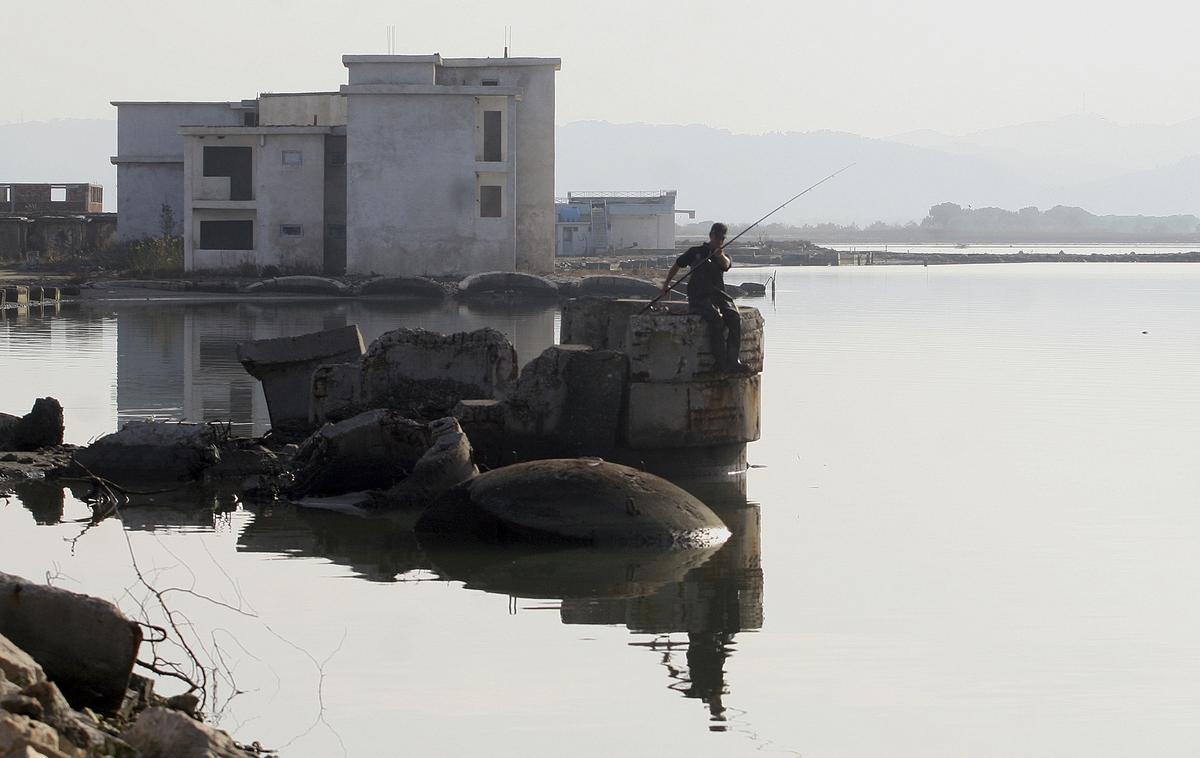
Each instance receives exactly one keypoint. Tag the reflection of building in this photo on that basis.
(595, 223)
(179, 361)
(418, 165)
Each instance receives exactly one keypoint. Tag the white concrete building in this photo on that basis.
(420, 165)
(598, 223)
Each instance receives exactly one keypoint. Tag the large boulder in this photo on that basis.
(152, 451)
(581, 501)
(426, 374)
(372, 450)
(41, 427)
(86, 645)
(163, 733)
(285, 366)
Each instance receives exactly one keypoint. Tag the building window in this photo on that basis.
(291, 230)
(97, 194)
(250, 118)
(235, 163)
(337, 231)
(226, 235)
(337, 157)
(490, 204)
(491, 82)
(293, 158)
(492, 136)
(5, 194)
(58, 194)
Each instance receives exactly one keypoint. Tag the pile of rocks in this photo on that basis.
(67, 689)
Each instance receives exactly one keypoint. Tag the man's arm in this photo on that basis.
(723, 260)
(670, 275)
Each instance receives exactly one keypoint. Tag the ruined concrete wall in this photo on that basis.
(57, 235)
(14, 233)
(33, 199)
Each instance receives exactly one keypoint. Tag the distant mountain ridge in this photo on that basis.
(1083, 161)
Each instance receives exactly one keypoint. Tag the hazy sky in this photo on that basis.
(868, 66)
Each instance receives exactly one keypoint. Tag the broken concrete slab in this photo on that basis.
(603, 285)
(425, 373)
(483, 423)
(753, 289)
(404, 286)
(40, 428)
(164, 733)
(447, 462)
(86, 645)
(568, 401)
(720, 411)
(372, 450)
(285, 366)
(152, 451)
(336, 392)
(507, 283)
(584, 501)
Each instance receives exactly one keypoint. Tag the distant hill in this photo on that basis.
(1078, 160)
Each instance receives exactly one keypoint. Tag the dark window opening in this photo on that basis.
(250, 118)
(491, 82)
(491, 136)
(489, 201)
(226, 235)
(337, 158)
(291, 230)
(235, 163)
(337, 231)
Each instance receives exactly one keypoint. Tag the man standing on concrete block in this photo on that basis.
(707, 297)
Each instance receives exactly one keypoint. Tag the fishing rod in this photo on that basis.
(785, 204)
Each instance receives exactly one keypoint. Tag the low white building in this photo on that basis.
(420, 165)
(598, 223)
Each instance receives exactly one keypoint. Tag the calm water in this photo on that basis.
(973, 533)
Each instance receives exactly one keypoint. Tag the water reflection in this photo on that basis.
(179, 361)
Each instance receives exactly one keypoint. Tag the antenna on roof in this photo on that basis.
(391, 39)
(507, 39)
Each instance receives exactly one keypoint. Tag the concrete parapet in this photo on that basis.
(285, 366)
(668, 347)
(693, 414)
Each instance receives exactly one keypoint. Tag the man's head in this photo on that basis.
(716, 235)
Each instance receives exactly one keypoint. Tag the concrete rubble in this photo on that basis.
(285, 366)
(153, 451)
(40, 428)
(372, 450)
(51, 638)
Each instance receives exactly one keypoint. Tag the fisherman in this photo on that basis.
(707, 297)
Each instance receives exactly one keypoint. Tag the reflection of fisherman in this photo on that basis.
(707, 297)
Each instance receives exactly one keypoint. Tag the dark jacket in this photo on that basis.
(707, 278)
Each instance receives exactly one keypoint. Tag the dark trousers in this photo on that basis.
(724, 327)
